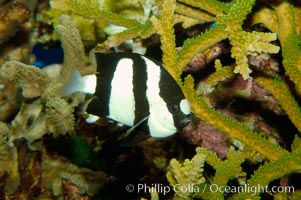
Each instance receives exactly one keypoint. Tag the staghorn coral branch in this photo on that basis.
(164, 26)
(236, 15)
(90, 9)
(221, 74)
(282, 93)
(193, 13)
(59, 116)
(147, 30)
(22, 74)
(290, 42)
(286, 20)
(144, 31)
(190, 172)
(119, 38)
(243, 42)
(186, 21)
(232, 128)
(296, 146)
(199, 106)
(74, 54)
(284, 165)
(297, 12)
(267, 17)
(225, 170)
(193, 46)
(211, 6)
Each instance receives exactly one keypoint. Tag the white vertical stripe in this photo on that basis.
(160, 121)
(122, 102)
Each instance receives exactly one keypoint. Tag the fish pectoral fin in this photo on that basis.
(136, 126)
(135, 134)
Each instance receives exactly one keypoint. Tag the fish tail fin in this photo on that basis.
(78, 83)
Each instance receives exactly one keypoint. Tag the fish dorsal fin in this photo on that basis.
(136, 133)
(107, 60)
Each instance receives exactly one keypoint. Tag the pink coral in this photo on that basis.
(206, 136)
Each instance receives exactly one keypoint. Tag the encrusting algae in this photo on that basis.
(237, 62)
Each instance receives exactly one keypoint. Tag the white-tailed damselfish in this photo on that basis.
(135, 91)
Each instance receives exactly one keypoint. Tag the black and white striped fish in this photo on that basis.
(135, 91)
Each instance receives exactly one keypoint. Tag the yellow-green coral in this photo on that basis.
(212, 6)
(244, 43)
(221, 74)
(168, 43)
(193, 13)
(225, 171)
(188, 174)
(200, 107)
(279, 168)
(282, 92)
(267, 17)
(296, 146)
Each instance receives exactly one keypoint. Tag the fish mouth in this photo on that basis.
(184, 122)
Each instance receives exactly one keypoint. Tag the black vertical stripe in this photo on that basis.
(140, 87)
(106, 66)
(172, 94)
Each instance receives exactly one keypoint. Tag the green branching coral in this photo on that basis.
(290, 42)
(282, 92)
(283, 166)
(200, 107)
(212, 6)
(221, 74)
(225, 171)
(168, 38)
(244, 43)
(187, 174)
(192, 46)
(90, 9)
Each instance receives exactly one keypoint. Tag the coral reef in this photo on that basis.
(188, 173)
(13, 14)
(237, 62)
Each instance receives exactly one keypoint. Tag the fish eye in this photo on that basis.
(175, 108)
